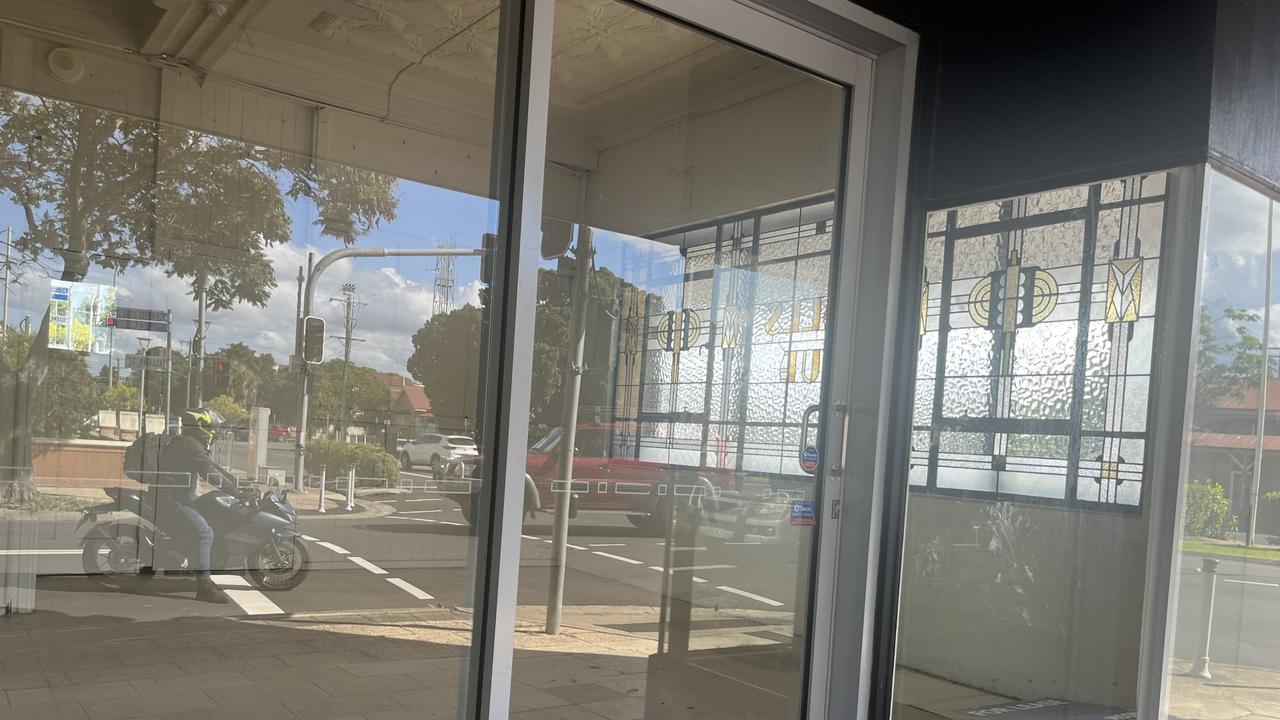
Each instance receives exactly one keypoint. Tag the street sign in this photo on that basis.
(135, 362)
(809, 459)
(143, 319)
(133, 313)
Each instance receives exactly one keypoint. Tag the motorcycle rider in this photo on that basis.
(185, 460)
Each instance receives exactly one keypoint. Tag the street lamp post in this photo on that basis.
(143, 344)
(304, 389)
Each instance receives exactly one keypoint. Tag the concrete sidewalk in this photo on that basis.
(389, 665)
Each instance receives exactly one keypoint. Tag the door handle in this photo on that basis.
(805, 421)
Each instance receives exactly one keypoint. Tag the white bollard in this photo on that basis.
(322, 484)
(351, 488)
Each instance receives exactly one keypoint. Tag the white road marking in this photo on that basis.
(40, 552)
(1251, 582)
(410, 588)
(229, 581)
(308, 538)
(425, 500)
(695, 567)
(545, 540)
(334, 548)
(727, 542)
(607, 544)
(616, 557)
(687, 548)
(398, 517)
(449, 522)
(367, 565)
(698, 579)
(752, 596)
(575, 547)
(530, 537)
(418, 512)
(252, 602)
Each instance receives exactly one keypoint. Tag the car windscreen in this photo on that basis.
(461, 441)
(547, 442)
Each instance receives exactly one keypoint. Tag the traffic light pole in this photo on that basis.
(308, 295)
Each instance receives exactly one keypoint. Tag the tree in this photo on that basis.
(1226, 366)
(251, 372)
(368, 398)
(119, 191)
(447, 350)
(446, 360)
(120, 396)
(69, 398)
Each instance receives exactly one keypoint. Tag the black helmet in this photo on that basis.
(198, 423)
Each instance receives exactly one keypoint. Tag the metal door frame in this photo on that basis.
(876, 60)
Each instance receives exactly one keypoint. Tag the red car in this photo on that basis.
(641, 489)
(279, 432)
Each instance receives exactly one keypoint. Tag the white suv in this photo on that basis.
(432, 449)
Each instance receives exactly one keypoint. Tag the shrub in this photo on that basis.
(1208, 511)
(228, 408)
(372, 463)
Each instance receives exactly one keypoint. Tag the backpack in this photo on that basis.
(142, 458)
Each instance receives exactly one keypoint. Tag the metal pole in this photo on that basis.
(308, 293)
(323, 471)
(8, 259)
(569, 426)
(351, 488)
(1209, 566)
(168, 367)
(348, 325)
(1255, 489)
(142, 398)
(197, 344)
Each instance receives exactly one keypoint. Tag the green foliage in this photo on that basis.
(368, 398)
(120, 396)
(227, 407)
(67, 402)
(95, 187)
(1208, 511)
(446, 355)
(372, 463)
(1226, 364)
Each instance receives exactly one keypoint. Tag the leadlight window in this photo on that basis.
(1023, 391)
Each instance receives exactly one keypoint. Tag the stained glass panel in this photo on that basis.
(1040, 395)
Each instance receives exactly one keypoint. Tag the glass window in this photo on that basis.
(1225, 652)
(700, 214)
(1024, 560)
(164, 211)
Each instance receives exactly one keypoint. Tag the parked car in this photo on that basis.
(607, 481)
(434, 448)
(279, 432)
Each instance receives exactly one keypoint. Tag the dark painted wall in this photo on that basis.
(1245, 126)
(1015, 98)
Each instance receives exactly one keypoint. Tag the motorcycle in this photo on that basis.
(124, 542)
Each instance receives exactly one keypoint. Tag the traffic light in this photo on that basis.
(487, 243)
(312, 339)
(221, 377)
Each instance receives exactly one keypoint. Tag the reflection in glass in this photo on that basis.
(1224, 647)
(703, 227)
(159, 555)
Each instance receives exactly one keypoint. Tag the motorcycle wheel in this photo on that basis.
(115, 563)
(280, 566)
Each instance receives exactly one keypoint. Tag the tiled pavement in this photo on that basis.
(383, 666)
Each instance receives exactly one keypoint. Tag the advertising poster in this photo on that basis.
(80, 316)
